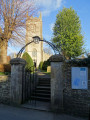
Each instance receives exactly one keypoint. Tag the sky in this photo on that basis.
(49, 10)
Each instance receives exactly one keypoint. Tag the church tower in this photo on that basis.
(34, 28)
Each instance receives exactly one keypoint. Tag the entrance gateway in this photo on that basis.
(36, 40)
(36, 88)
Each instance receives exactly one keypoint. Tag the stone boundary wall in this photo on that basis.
(5, 89)
(75, 101)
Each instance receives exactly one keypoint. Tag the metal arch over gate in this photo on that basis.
(36, 40)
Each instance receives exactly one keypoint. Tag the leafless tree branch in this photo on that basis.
(13, 15)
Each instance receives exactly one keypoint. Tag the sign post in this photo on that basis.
(79, 78)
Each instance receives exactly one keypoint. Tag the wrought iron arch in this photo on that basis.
(36, 40)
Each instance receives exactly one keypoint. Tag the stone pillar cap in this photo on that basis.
(17, 61)
(56, 58)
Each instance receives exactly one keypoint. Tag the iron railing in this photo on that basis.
(29, 85)
(53, 46)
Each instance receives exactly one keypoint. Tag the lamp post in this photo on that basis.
(36, 39)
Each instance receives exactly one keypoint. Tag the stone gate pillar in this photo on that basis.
(17, 75)
(56, 83)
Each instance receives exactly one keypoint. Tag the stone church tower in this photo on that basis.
(34, 28)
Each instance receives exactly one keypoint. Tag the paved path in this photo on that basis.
(43, 75)
(13, 113)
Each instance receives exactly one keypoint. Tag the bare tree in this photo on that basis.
(48, 50)
(12, 20)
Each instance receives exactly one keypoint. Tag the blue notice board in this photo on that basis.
(79, 78)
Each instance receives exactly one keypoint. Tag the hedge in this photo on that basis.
(45, 64)
(41, 65)
(5, 68)
(29, 61)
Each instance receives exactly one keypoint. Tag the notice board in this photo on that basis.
(79, 77)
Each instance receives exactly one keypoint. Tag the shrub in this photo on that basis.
(88, 56)
(29, 61)
(45, 65)
(5, 68)
(41, 65)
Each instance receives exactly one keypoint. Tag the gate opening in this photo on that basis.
(37, 88)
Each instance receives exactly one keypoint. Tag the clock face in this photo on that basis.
(32, 28)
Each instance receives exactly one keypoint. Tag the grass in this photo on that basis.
(4, 73)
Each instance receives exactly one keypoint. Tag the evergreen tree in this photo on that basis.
(29, 61)
(67, 33)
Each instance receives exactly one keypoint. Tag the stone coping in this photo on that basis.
(17, 61)
(56, 58)
(85, 61)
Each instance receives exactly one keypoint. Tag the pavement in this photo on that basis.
(37, 105)
(17, 113)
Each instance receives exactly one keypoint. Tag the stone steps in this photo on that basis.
(44, 99)
(42, 92)
(41, 95)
